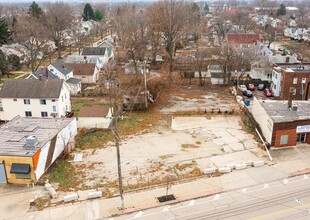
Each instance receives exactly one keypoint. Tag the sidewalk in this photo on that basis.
(105, 208)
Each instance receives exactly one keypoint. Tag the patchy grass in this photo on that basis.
(10, 76)
(247, 124)
(78, 103)
(166, 156)
(63, 173)
(185, 146)
(131, 124)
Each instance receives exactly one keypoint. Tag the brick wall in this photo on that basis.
(287, 82)
(287, 128)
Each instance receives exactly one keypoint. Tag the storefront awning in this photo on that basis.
(20, 168)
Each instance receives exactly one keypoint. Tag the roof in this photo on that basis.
(13, 134)
(81, 59)
(215, 68)
(93, 51)
(242, 38)
(73, 80)
(93, 111)
(42, 72)
(279, 112)
(62, 67)
(31, 88)
(83, 68)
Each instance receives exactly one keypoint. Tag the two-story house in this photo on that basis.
(88, 73)
(242, 40)
(34, 98)
(295, 77)
(74, 83)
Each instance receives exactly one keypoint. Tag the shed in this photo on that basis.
(94, 117)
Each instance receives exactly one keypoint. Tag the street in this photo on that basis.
(285, 199)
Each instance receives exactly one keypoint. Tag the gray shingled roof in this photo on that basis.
(73, 80)
(93, 51)
(43, 73)
(62, 67)
(31, 88)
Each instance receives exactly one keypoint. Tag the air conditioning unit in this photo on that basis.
(31, 141)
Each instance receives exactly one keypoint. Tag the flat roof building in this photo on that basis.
(282, 125)
(29, 146)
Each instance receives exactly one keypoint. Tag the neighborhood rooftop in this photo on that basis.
(13, 134)
(243, 38)
(62, 67)
(279, 111)
(93, 51)
(83, 68)
(94, 111)
(31, 88)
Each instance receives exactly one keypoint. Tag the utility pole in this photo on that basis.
(119, 168)
(145, 87)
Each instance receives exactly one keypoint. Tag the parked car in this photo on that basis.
(247, 93)
(251, 87)
(261, 87)
(267, 92)
(242, 87)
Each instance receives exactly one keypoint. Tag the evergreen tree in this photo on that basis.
(35, 10)
(88, 13)
(3, 64)
(5, 34)
(98, 15)
(206, 8)
(281, 10)
(13, 62)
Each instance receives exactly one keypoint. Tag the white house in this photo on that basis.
(34, 98)
(88, 73)
(98, 60)
(103, 53)
(94, 117)
(29, 146)
(276, 81)
(62, 73)
(61, 70)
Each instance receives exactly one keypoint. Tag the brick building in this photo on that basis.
(282, 125)
(242, 40)
(296, 77)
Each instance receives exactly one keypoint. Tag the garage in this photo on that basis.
(2, 173)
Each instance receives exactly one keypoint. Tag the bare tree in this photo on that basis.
(59, 18)
(173, 18)
(131, 30)
(220, 26)
(200, 63)
(32, 34)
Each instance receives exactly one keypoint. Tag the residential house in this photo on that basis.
(98, 60)
(242, 40)
(217, 74)
(88, 73)
(29, 146)
(94, 117)
(34, 98)
(294, 77)
(73, 83)
(103, 53)
(283, 123)
(61, 69)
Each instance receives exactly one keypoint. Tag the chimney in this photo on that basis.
(41, 77)
(290, 98)
(46, 72)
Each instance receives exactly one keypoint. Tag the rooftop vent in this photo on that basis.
(31, 141)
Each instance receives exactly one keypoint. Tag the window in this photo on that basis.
(53, 100)
(283, 139)
(44, 114)
(54, 108)
(274, 86)
(65, 95)
(275, 75)
(43, 101)
(21, 171)
(15, 100)
(22, 176)
(62, 98)
(27, 101)
(303, 80)
(295, 81)
(28, 114)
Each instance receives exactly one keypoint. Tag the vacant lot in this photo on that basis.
(191, 145)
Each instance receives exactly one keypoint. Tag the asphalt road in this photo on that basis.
(286, 199)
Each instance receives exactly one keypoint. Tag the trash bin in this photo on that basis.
(247, 102)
